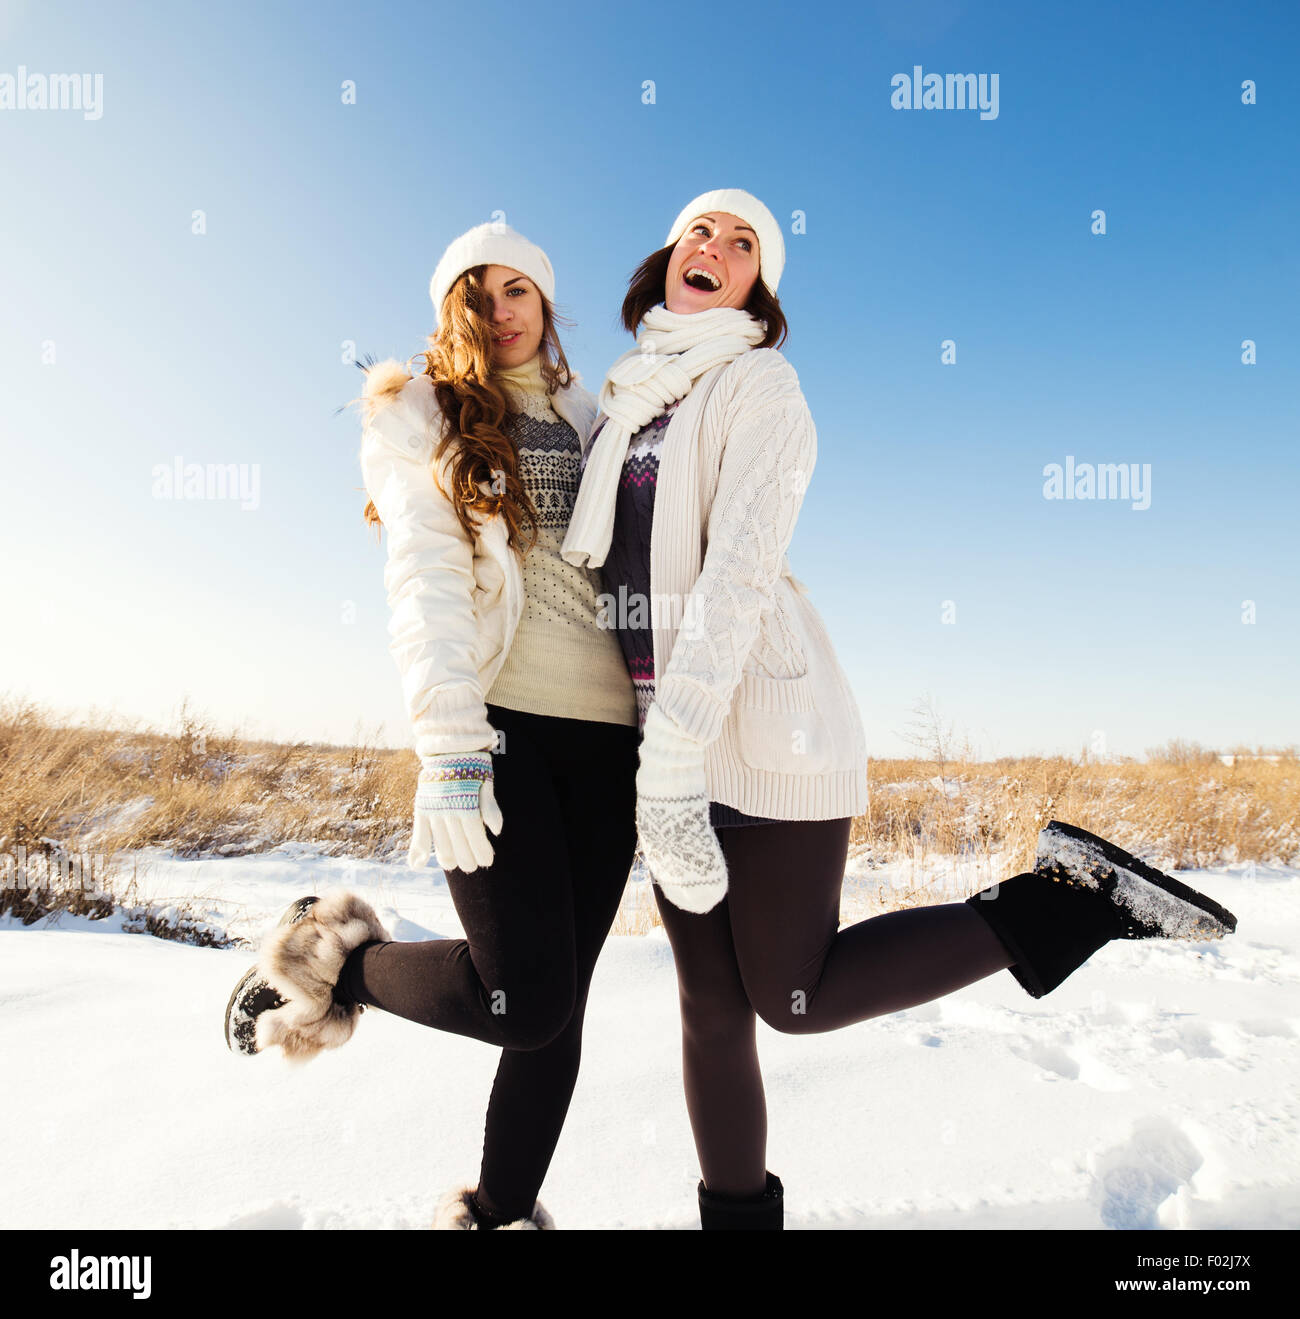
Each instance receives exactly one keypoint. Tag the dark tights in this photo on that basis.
(535, 921)
(771, 949)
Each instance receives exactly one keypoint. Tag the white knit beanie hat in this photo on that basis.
(491, 244)
(735, 201)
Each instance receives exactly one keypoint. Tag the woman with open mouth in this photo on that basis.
(524, 718)
(753, 761)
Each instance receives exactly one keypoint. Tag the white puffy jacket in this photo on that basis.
(456, 600)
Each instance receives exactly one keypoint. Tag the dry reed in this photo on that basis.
(88, 789)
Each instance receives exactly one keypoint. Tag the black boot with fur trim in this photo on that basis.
(287, 998)
(458, 1210)
(252, 995)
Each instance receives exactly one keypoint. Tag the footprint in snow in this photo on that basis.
(1133, 1179)
(1059, 1062)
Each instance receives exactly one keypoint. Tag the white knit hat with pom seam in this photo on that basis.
(491, 244)
(735, 201)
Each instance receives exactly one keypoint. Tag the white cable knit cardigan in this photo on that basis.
(743, 662)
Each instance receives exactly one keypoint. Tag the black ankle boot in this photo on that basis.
(1083, 892)
(758, 1213)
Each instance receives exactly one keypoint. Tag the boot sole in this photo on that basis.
(240, 1021)
(1154, 905)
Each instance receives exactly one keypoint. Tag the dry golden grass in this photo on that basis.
(105, 792)
(637, 913)
(1186, 815)
(96, 789)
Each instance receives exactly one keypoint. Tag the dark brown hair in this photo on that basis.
(474, 405)
(646, 289)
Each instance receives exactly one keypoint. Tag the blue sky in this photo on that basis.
(1077, 622)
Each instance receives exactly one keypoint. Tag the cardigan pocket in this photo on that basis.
(777, 728)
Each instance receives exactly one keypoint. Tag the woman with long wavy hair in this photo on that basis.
(524, 718)
(753, 761)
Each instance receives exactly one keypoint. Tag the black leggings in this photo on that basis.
(771, 949)
(535, 921)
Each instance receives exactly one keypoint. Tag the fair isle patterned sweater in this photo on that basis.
(626, 574)
(561, 661)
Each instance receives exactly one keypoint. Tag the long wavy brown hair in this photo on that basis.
(645, 289)
(474, 405)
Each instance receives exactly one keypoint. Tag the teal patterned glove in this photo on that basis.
(454, 801)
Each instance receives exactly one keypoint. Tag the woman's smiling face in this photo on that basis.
(714, 264)
(515, 314)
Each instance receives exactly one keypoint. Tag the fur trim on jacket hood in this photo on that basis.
(384, 384)
(387, 381)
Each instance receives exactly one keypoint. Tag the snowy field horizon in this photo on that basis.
(1155, 1089)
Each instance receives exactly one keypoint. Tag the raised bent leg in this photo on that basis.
(802, 974)
(512, 980)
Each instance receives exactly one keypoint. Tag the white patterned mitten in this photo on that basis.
(454, 800)
(680, 847)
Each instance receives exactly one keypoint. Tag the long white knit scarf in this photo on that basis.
(673, 350)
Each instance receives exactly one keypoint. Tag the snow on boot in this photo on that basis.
(302, 961)
(758, 1213)
(1085, 891)
(1153, 905)
(252, 995)
(459, 1211)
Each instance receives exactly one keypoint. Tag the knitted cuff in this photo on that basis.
(671, 764)
(452, 782)
(696, 712)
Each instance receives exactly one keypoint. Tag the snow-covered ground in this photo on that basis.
(1156, 1088)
